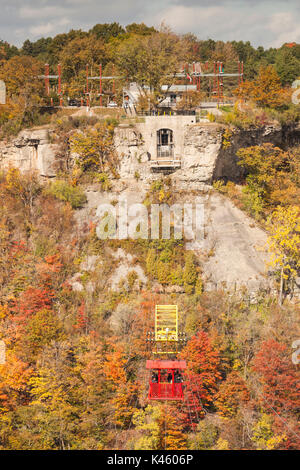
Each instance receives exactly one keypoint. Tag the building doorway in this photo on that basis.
(165, 143)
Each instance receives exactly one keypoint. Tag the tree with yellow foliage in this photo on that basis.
(161, 428)
(284, 243)
(263, 435)
(94, 148)
(24, 92)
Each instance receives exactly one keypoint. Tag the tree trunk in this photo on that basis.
(281, 288)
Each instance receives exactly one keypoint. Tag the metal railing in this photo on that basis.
(166, 391)
(165, 151)
(178, 112)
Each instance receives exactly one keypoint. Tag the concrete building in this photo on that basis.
(174, 93)
(165, 139)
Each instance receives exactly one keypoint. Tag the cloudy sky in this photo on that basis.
(263, 22)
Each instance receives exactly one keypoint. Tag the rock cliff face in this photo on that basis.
(202, 146)
(198, 152)
(30, 150)
(237, 247)
(202, 153)
(233, 254)
(199, 147)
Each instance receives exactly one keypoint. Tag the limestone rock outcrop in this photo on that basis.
(31, 150)
(199, 147)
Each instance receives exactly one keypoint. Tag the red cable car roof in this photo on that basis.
(150, 364)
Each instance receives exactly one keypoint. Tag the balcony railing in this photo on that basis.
(165, 151)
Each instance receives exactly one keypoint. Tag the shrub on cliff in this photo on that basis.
(65, 192)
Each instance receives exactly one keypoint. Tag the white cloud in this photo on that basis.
(47, 28)
(78, 2)
(39, 13)
(262, 25)
(216, 22)
(285, 28)
(263, 22)
(182, 18)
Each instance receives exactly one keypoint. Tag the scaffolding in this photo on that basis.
(87, 89)
(166, 323)
(198, 71)
(46, 77)
(100, 77)
(166, 338)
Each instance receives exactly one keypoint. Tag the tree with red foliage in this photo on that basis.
(31, 300)
(17, 249)
(202, 376)
(278, 376)
(280, 382)
(81, 323)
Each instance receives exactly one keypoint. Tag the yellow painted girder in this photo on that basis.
(166, 323)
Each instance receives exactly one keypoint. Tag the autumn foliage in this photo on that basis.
(266, 90)
(75, 376)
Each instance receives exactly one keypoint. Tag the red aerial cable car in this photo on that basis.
(166, 379)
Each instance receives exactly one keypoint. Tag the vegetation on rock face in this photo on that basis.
(75, 371)
(66, 192)
(94, 148)
(284, 244)
(271, 174)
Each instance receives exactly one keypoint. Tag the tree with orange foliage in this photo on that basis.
(123, 393)
(161, 428)
(14, 383)
(233, 393)
(266, 90)
(113, 366)
(49, 268)
(81, 322)
(202, 375)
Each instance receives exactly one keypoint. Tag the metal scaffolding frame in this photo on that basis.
(218, 75)
(193, 72)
